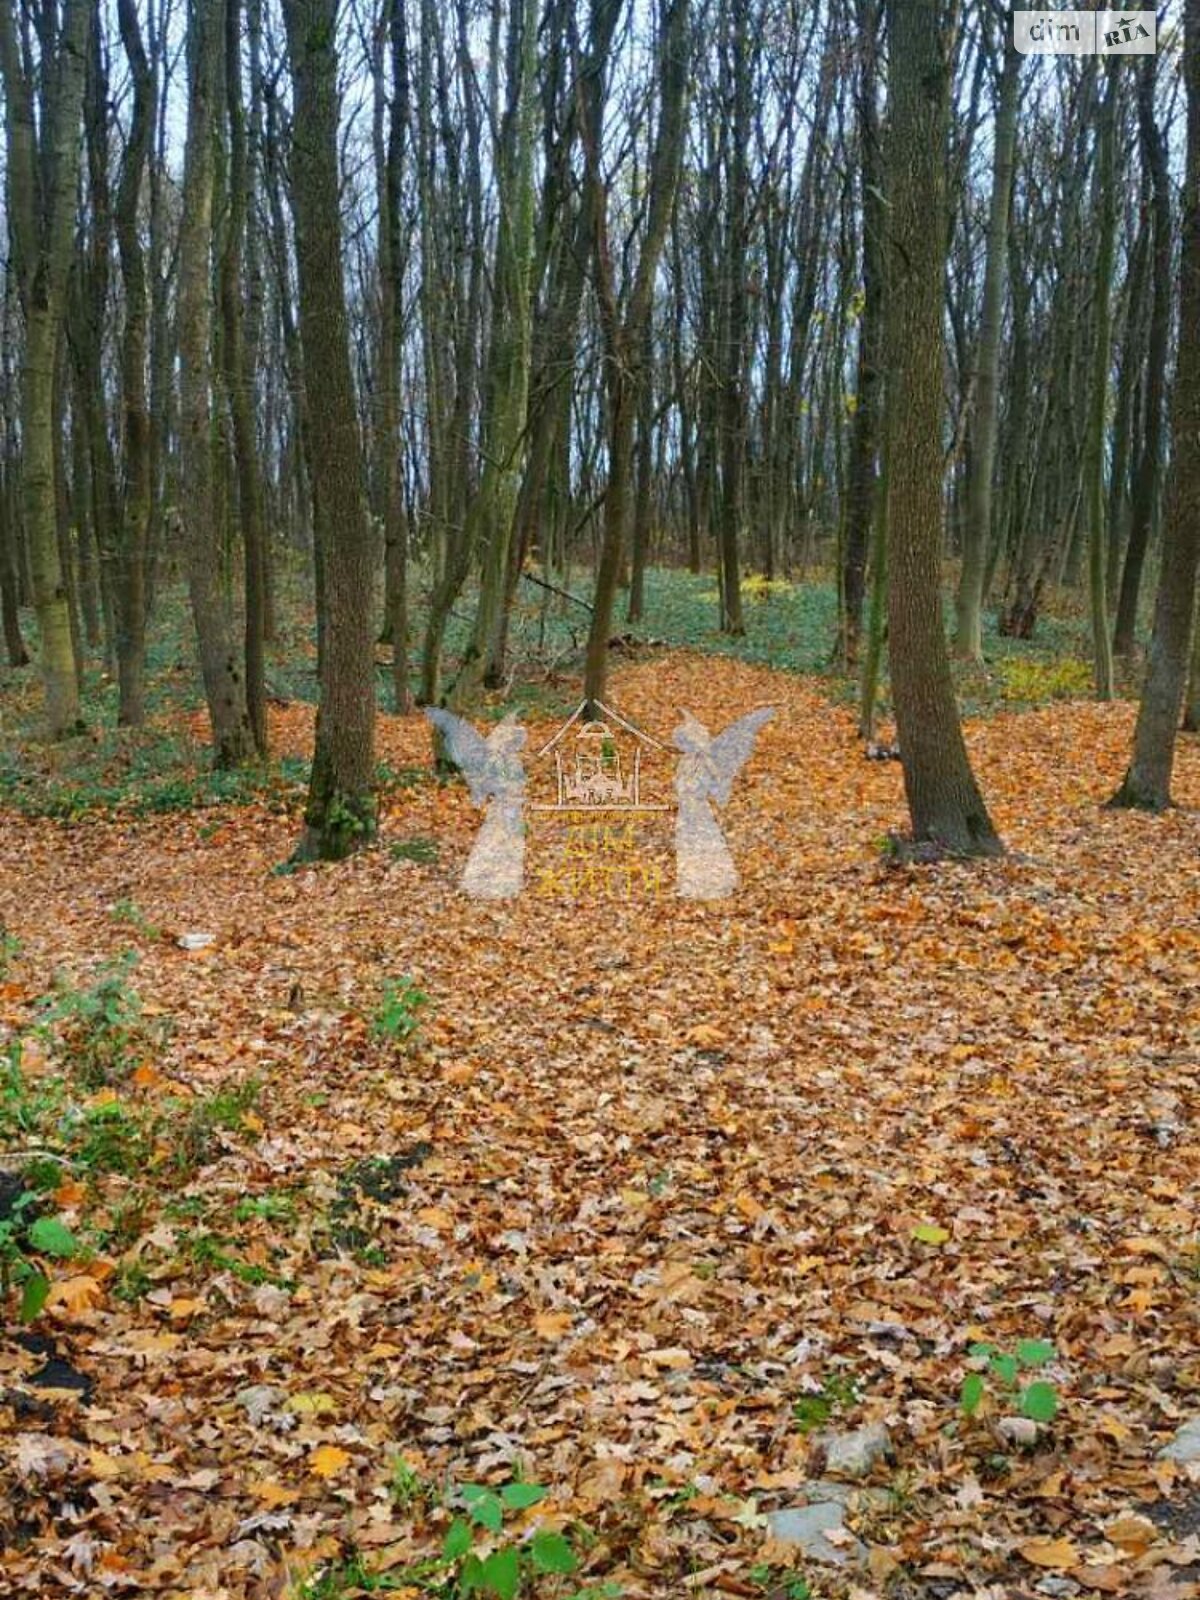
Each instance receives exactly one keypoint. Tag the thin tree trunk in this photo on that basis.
(133, 536)
(968, 640)
(238, 379)
(1093, 463)
(623, 334)
(1145, 488)
(862, 471)
(224, 686)
(1147, 784)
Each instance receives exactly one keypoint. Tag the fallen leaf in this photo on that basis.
(1057, 1554)
(328, 1461)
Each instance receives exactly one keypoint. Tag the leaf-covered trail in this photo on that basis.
(667, 1161)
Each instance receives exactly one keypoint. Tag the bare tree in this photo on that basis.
(340, 816)
(42, 109)
(944, 801)
(1147, 783)
(622, 327)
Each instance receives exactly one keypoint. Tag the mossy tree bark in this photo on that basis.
(43, 172)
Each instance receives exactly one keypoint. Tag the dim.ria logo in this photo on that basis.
(1083, 33)
(601, 777)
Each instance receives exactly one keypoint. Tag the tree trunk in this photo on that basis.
(238, 379)
(862, 471)
(40, 219)
(977, 535)
(1145, 487)
(1147, 783)
(224, 687)
(340, 816)
(733, 375)
(623, 334)
(946, 807)
(1093, 462)
(392, 265)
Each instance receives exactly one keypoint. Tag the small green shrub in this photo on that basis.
(132, 915)
(27, 1237)
(407, 1488)
(481, 1556)
(838, 1393)
(265, 1208)
(397, 1017)
(423, 851)
(1032, 682)
(109, 1136)
(193, 1129)
(101, 1027)
(1037, 1400)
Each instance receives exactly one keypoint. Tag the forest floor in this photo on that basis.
(383, 1192)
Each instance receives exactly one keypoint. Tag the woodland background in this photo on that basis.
(835, 1240)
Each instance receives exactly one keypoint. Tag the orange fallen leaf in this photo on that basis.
(1058, 1554)
(435, 1217)
(328, 1461)
(1131, 1532)
(705, 1035)
(272, 1494)
(552, 1324)
(1109, 1579)
(75, 1294)
(181, 1308)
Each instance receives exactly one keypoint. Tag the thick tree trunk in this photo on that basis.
(946, 807)
(340, 816)
(1147, 783)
